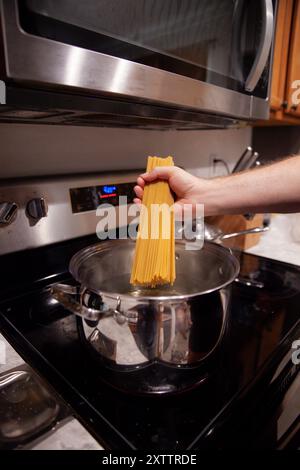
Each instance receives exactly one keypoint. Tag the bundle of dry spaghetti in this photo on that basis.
(154, 260)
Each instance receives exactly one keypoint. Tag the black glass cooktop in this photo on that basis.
(218, 412)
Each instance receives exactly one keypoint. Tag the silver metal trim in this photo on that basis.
(260, 108)
(39, 61)
(264, 47)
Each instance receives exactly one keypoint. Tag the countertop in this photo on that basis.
(70, 436)
(280, 241)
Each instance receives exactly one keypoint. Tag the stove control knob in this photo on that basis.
(37, 208)
(8, 212)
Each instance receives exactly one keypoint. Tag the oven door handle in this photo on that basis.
(264, 47)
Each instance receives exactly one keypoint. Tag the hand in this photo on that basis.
(186, 186)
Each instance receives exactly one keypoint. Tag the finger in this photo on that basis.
(141, 182)
(137, 201)
(139, 192)
(160, 172)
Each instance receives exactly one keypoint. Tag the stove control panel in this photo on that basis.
(43, 211)
(89, 198)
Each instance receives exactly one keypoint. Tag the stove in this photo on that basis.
(250, 398)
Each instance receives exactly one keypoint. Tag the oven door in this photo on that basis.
(204, 55)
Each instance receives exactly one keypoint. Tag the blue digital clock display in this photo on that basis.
(109, 189)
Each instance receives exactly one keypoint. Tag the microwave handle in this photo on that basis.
(264, 47)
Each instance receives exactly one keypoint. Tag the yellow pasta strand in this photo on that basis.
(154, 259)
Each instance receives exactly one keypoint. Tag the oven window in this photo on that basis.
(209, 40)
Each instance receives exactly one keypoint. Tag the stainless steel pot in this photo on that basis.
(131, 327)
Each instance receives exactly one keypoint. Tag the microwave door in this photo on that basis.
(190, 38)
(198, 55)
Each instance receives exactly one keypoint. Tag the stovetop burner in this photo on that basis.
(263, 323)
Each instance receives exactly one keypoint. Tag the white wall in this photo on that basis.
(30, 150)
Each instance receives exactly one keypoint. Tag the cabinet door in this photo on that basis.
(281, 50)
(293, 80)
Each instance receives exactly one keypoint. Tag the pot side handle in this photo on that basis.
(65, 295)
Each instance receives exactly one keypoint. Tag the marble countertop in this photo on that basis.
(282, 241)
(69, 436)
(9, 358)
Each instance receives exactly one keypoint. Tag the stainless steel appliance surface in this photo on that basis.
(148, 64)
(48, 210)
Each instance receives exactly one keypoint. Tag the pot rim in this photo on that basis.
(101, 246)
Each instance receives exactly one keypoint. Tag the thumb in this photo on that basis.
(160, 172)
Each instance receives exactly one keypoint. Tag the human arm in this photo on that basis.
(271, 188)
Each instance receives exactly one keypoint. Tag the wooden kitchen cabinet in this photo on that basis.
(293, 69)
(281, 48)
(286, 65)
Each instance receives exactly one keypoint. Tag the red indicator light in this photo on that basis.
(105, 196)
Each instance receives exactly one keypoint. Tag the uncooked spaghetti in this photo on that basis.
(154, 260)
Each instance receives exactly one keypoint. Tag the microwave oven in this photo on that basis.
(183, 64)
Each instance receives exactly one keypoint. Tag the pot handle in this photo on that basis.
(226, 236)
(66, 296)
(219, 237)
(246, 281)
